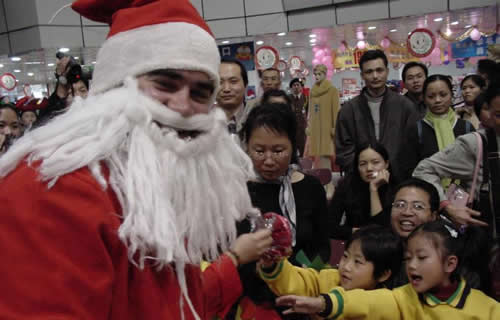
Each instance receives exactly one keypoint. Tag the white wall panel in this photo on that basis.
(95, 36)
(311, 19)
(198, 6)
(461, 4)
(271, 23)
(228, 28)
(46, 9)
(362, 12)
(255, 7)
(20, 13)
(25, 40)
(220, 9)
(402, 8)
(4, 46)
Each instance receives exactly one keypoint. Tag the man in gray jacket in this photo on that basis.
(378, 114)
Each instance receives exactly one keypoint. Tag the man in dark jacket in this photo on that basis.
(377, 114)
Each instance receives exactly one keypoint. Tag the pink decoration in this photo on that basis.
(475, 34)
(385, 43)
(319, 54)
(316, 62)
(342, 47)
(326, 59)
(315, 49)
(436, 52)
(361, 45)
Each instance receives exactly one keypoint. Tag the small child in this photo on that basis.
(435, 291)
(372, 256)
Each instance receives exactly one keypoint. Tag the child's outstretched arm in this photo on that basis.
(284, 278)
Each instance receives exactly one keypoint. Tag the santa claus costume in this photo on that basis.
(108, 209)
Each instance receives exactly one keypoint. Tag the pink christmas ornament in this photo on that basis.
(326, 59)
(315, 49)
(316, 62)
(385, 43)
(436, 52)
(319, 54)
(475, 34)
(361, 45)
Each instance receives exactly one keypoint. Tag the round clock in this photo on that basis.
(266, 57)
(421, 42)
(8, 81)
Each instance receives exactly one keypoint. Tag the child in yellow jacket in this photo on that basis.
(371, 258)
(435, 290)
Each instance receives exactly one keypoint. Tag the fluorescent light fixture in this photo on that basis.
(225, 42)
(15, 58)
(288, 43)
(393, 30)
(77, 58)
(438, 19)
(454, 23)
(281, 34)
(93, 62)
(63, 50)
(17, 70)
(467, 26)
(312, 35)
(372, 28)
(30, 74)
(50, 64)
(260, 42)
(1, 65)
(312, 40)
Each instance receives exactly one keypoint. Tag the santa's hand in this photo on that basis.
(300, 304)
(250, 246)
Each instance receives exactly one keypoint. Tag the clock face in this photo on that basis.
(8, 81)
(267, 57)
(421, 42)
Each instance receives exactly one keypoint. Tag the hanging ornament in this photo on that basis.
(266, 57)
(475, 34)
(8, 81)
(361, 44)
(281, 66)
(385, 43)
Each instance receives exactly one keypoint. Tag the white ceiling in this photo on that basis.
(485, 18)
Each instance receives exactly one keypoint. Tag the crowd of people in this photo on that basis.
(138, 197)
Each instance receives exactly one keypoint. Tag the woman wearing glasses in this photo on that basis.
(363, 197)
(270, 136)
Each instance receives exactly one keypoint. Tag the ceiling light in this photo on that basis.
(30, 74)
(1, 65)
(372, 28)
(312, 44)
(260, 42)
(393, 30)
(281, 34)
(93, 62)
(438, 19)
(16, 70)
(454, 23)
(467, 26)
(312, 40)
(225, 42)
(77, 58)
(312, 35)
(34, 62)
(448, 32)
(288, 43)
(15, 58)
(50, 64)
(63, 50)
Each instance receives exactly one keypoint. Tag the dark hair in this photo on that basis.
(276, 118)
(477, 79)
(438, 77)
(413, 64)
(372, 55)
(488, 67)
(492, 92)
(276, 93)
(243, 70)
(382, 247)
(478, 103)
(357, 182)
(294, 81)
(10, 107)
(424, 186)
(261, 72)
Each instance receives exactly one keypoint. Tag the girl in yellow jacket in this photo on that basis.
(435, 290)
(372, 257)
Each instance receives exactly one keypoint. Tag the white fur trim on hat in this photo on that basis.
(173, 45)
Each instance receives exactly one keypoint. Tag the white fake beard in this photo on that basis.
(180, 199)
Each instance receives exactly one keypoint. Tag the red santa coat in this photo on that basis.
(61, 258)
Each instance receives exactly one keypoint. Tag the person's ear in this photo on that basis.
(450, 263)
(385, 276)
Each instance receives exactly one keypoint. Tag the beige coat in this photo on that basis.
(323, 109)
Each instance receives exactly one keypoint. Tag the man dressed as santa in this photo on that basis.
(108, 209)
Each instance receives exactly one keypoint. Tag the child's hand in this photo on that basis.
(301, 304)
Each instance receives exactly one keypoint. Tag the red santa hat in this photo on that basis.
(147, 35)
(31, 103)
